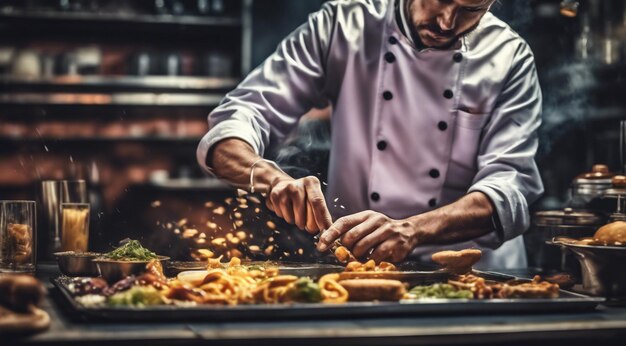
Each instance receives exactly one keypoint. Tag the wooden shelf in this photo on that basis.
(46, 17)
(172, 83)
(114, 99)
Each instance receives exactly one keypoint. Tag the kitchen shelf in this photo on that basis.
(144, 138)
(172, 83)
(44, 17)
(114, 99)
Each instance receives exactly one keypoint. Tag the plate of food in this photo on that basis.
(235, 290)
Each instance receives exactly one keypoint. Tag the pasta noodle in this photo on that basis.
(237, 284)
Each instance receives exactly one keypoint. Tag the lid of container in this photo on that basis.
(598, 172)
(568, 217)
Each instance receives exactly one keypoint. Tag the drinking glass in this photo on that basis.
(18, 229)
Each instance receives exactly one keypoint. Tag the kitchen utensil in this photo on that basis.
(73, 263)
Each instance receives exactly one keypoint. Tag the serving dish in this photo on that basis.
(113, 270)
(73, 263)
(566, 301)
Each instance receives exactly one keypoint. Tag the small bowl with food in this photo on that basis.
(74, 263)
(129, 259)
(601, 258)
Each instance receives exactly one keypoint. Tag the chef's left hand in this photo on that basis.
(367, 231)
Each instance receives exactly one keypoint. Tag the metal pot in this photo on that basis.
(602, 268)
(555, 223)
(588, 188)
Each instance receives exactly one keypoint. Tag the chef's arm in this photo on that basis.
(233, 158)
(507, 172)
(267, 105)
(468, 218)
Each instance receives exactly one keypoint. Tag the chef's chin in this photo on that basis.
(434, 41)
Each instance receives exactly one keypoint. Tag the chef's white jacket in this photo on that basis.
(411, 129)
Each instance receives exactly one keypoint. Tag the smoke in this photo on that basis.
(306, 151)
(566, 102)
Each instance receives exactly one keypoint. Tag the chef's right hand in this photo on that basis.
(299, 202)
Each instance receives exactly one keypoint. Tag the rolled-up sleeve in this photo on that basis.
(269, 102)
(507, 172)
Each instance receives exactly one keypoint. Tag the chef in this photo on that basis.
(435, 110)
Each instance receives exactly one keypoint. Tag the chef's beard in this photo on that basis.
(432, 28)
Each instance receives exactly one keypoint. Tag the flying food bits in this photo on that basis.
(200, 241)
(268, 250)
(235, 253)
(219, 210)
(254, 200)
(211, 225)
(182, 222)
(202, 254)
(228, 200)
(190, 233)
(209, 204)
(241, 235)
(219, 241)
(155, 204)
(237, 215)
(238, 223)
(271, 225)
(300, 251)
(257, 210)
(254, 248)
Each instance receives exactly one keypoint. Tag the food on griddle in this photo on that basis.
(87, 286)
(361, 290)
(458, 262)
(486, 289)
(534, 289)
(343, 254)
(138, 296)
(612, 234)
(370, 266)
(438, 291)
(20, 292)
(131, 251)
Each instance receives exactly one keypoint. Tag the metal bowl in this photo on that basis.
(115, 270)
(77, 263)
(602, 267)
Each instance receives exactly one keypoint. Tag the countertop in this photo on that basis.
(606, 325)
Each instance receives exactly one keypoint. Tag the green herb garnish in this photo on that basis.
(131, 251)
(305, 290)
(439, 291)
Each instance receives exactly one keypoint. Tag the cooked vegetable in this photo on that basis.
(305, 290)
(137, 296)
(131, 251)
(438, 291)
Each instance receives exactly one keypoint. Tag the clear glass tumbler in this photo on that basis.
(18, 229)
(74, 226)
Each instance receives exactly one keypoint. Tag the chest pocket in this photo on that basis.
(467, 132)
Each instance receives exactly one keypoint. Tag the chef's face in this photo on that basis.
(439, 23)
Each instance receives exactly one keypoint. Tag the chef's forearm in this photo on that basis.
(468, 218)
(232, 159)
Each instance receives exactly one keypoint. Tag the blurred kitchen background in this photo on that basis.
(116, 93)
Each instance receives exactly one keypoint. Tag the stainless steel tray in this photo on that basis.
(567, 302)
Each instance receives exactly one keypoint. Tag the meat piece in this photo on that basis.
(361, 290)
(612, 234)
(457, 262)
(20, 292)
